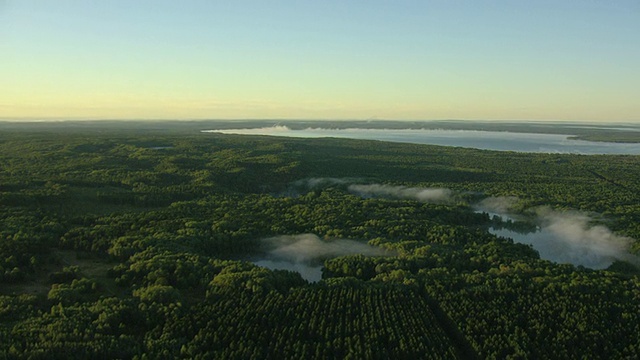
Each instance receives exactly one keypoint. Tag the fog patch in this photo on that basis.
(309, 248)
(570, 237)
(313, 183)
(497, 204)
(305, 253)
(355, 186)
(429, 195)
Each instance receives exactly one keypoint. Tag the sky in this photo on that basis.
(244, 59)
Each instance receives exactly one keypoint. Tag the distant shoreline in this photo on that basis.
(600, 132)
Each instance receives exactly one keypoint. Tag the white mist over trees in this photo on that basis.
(305, 253)
(569, 237)
(307, 248)
(563, 236)
(497, 204)
(431, 195)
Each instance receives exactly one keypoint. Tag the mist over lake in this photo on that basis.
(485, 140)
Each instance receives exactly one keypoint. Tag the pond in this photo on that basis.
(570, 238)
(309, 272)
(305, 253)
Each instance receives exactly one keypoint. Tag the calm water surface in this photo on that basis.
(311, 273)
(486, 140)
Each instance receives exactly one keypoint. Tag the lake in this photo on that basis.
(486, 140)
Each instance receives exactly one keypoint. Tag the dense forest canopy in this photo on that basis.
(132, 244)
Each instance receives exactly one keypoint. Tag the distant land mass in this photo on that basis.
(604, 132)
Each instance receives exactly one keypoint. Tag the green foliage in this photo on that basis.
(158, 294)
(542, 311)
(172, 215)
(78, 291)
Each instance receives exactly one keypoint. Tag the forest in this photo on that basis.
(135, 244)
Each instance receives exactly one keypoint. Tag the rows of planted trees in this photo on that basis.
(128, 245)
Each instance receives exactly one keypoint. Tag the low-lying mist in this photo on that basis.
(565, 236)
(562, 236)
(559, 236)
(355, 186)
(501, 205)
(430, 195)
(313, 183)
(305, 253)
(310, 248)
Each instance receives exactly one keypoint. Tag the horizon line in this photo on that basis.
(44, 120)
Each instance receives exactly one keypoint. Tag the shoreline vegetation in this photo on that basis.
(123, 240)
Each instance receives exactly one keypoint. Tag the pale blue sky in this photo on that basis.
(538, 60)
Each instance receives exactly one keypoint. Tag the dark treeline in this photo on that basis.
(125, 245)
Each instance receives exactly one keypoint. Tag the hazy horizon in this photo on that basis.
(285, 60)
(289, 120)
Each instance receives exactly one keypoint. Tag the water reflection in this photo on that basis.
(569, 238)
(311, 273)
(487, 140)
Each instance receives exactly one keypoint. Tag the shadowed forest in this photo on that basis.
(133, 244)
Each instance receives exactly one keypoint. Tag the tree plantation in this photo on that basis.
(137, 244)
